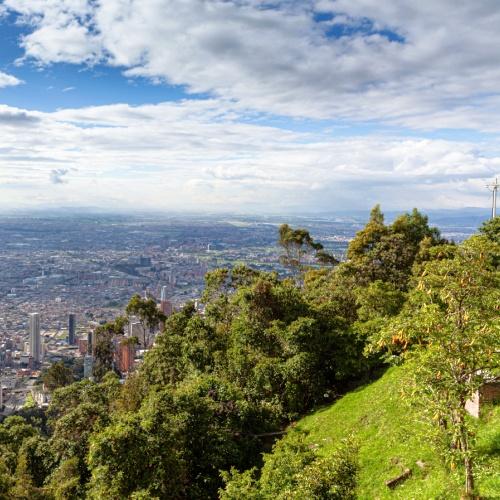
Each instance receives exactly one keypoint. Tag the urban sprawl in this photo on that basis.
(62, 277)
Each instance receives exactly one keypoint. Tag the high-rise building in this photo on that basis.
(88, 364)
(35, 340)
(135, 329)
(90, 342)
(165, 305)
(71, 328)
(83, 346)
(124, 357)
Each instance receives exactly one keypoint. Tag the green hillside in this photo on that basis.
(391, 438)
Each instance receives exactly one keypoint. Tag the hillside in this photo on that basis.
(391, 439)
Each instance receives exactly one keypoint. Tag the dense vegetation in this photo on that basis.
(392, 436)
(216, 389)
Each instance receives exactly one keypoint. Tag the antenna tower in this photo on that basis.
(494, 190)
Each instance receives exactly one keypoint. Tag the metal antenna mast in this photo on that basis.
(494, 189)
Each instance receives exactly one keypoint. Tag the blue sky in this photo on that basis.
(243, 105)
(64, 85)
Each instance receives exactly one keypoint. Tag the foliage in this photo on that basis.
(103, 349)
(57, 375)
(147, 313)
(64, 483)
(216, 388)
(454, 332)
(332, 477)
(296, 243)
(491, 229)
(190, 433)
(294, 471)
(388, 253)
(75, 413)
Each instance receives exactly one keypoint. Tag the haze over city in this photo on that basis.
(250, 106)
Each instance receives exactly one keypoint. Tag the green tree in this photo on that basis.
(452, 325)
(35, 459)
(64, 482)
(13, 432)
(76, 412)
(104, 347)
(491, 229)
(296, 243)
(6, 480)
(148, 315)
(366, 239)
(388, 253)
(293, 471)
(58, 375)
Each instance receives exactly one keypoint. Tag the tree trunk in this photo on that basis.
(468, 462)
(464, 448)
(469, 477)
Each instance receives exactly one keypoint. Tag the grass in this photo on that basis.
(392, 438)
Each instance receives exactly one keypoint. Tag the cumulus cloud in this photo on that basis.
(16, 117)
(194, 155)
(7, 80)
(418, 64)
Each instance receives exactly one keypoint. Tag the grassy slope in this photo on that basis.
(391, 438)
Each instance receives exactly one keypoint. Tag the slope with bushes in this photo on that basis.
(391, 437)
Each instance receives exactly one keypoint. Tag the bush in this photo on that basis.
(293, 471)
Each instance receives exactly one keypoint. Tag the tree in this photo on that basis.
(388, 253)
(64, 483)
(148, 315)
(58, 375)
(366, 239)
(451, 325)
(35, 459)
(6, 481)
(491, 229)
(76, 412)
(104, 347)
(293, 471)
(296, 243)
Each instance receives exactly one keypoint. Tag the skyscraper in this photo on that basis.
(165, 305)
(35, 341)
(71, 328)
(88, 364)
(90, 340)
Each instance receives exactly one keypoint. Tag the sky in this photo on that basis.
(296, 106)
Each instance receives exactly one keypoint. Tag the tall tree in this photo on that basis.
(297, 243)
(148, 315)
(104, 348)
(452, 325)
(387, 253)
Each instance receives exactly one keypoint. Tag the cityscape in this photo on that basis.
(61, 277)
(249, 250)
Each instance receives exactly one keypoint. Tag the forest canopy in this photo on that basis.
(216, 389)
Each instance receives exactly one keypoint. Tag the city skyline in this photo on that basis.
(248, 106)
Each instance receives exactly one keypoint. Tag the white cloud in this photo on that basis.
(8, 80)
(57, 175)
(281, 61)
(194, 155)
